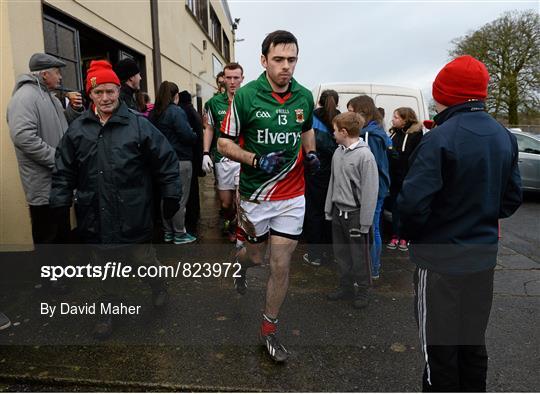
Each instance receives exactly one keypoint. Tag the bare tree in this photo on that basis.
(510, 48)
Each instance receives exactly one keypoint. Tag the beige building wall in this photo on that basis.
(183, 60)
(21, 37)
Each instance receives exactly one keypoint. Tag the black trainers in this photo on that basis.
(103, 328)
(4, 321)
(240, 282)
(276, 350)
(340, 293)
(314, 262)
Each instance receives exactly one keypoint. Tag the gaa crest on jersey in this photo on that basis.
(299, 115)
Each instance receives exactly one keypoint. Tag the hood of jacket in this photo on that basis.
(360, 144)
(24, 79)
(374, 129)
(415, 128)
(319, 113)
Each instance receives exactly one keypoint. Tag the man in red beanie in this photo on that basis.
(464, 177)
(111, 156)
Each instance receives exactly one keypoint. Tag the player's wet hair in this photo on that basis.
(278, 37)
(233, 66)
(350, 121)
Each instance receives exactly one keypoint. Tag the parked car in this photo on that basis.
(529, 159)
(389, 97)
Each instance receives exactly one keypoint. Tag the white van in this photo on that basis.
(386, 96)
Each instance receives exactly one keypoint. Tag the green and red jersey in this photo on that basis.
(216, 109)
(266, 122)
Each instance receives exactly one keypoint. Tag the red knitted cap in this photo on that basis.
(464, 78)
(99, 72)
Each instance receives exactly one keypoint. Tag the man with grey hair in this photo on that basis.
(37, 121)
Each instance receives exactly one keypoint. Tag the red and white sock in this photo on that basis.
(240, 237)
(268, 325)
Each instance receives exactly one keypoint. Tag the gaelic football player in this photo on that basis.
(226, 170)
(271, 117)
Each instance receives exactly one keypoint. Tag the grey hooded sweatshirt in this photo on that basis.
(36, 122)
(354, 183)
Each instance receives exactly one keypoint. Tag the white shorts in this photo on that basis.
(227, 174)
(281, 217)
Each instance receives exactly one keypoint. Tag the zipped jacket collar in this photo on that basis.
(121, 115)
(469, 106)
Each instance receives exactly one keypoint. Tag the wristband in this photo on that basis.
(255, 161)
(206, 153)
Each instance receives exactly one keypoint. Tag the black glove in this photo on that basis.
(271, 163)
(170, 207)
(312, 162)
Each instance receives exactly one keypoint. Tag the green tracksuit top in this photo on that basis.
(265, 122)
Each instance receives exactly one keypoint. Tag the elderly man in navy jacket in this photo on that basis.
(463, 178)
(112, 157)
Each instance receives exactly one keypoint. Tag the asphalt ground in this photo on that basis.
(206, 339)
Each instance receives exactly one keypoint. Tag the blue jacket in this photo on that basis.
(173, 123)
(463, 177)
(379, 142)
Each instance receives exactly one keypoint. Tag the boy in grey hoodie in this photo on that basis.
(350, 204)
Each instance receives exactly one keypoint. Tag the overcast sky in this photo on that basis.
(391, 42)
